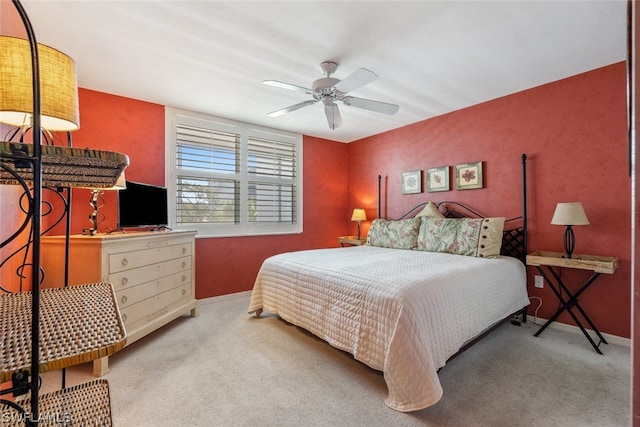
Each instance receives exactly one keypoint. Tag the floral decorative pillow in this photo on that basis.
(450, 235)
(430, 210)
(480, 237)
(400, 234)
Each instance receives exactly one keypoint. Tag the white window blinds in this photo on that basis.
(208, 178)
(272, 186)
(228, 178)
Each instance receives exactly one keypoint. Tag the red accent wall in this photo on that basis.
(574, 132)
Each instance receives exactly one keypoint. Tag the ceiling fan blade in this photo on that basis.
(288, 86)
(333, 115)
(368, 104)
(355, 80)
(291, 108)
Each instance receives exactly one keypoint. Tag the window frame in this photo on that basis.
(175, 117)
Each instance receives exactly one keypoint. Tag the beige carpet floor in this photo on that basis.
(226, 368)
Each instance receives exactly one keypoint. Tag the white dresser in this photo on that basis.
(153, 275)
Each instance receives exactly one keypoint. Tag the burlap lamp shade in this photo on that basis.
(58, 87)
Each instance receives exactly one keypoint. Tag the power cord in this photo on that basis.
(535, 313)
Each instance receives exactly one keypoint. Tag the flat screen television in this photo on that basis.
(142, 205)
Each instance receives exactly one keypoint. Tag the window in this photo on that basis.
(227, 178)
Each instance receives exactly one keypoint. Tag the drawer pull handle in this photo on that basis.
(184, 292)
(125, 261)
(184, 278)
(184, 250)
(184, 264)
(123, 299)
(124, 317)
(125, 280)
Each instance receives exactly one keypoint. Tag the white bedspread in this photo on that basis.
(402, 312)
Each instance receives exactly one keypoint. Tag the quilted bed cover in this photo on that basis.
(401, 312)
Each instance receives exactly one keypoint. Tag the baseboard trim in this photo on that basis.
(611, 339)
(211, 300)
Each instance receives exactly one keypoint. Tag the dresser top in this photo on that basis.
(117, 235)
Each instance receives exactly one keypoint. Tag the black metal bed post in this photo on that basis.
(36, 220)
(524, 223)
(379, 196)
(524, 208)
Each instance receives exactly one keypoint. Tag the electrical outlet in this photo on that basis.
(539, 282)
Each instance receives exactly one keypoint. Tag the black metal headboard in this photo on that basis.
(514, 237)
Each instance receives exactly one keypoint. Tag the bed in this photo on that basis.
(397, 303)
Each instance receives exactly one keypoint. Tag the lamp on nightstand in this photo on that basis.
(358, 215)
(569, 214)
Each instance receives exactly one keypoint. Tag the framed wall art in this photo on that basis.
(438, 179)
(469, 176)
(412, 182)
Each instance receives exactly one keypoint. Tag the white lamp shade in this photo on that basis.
(121, 183)
(58, 86)
(358, 215)
(569, 214)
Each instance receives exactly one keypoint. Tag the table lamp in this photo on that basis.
(569, 214)
(358, 215)
(96, 202)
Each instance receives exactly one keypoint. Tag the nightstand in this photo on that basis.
(351, 241)
(549, 265)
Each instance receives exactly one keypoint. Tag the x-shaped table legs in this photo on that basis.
(568, 302)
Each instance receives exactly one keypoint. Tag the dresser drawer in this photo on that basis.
(123, 261)
(149, 309)
(135, 294)
(129, 278)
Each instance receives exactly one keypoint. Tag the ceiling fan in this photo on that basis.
(329, 90)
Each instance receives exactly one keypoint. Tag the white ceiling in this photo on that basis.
(432, 57)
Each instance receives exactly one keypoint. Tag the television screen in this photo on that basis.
(142, 205)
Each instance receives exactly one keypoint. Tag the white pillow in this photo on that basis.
(430, 210)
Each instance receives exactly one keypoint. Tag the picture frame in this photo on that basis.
(438, 179)
(469, 176)
(412, 182)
